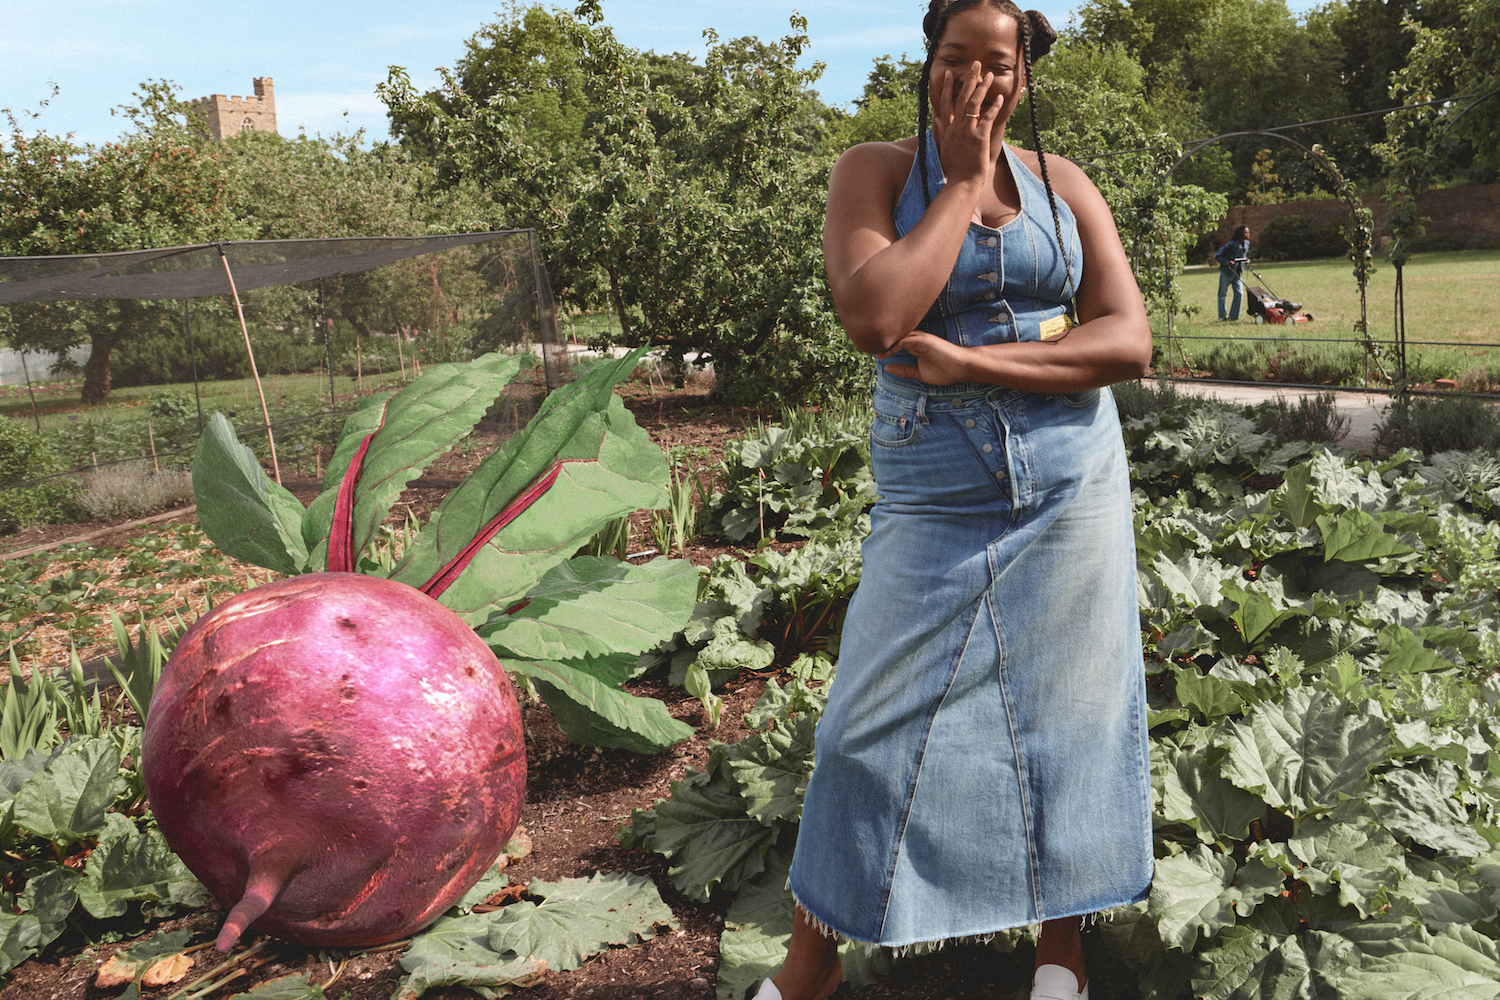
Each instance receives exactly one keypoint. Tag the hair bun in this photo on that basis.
(1042, 33)
(930, 19)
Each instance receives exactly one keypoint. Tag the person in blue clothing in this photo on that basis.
(1232, 258)
(982, 762)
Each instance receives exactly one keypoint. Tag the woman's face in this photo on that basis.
(990, 38)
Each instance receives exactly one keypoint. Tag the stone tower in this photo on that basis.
(229, 116)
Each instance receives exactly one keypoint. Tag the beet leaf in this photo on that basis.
(566, 614)
(411, 429)
(609, 467)
(247, 514)
(499, 550)
(595, 713)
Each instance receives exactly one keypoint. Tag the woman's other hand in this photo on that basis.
(939, 362)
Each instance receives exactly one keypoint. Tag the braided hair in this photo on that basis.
(1037, 36)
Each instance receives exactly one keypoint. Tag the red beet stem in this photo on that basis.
(267, 876)
(341, 537)
(445, 576)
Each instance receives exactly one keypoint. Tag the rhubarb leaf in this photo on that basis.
(455, 951)
(1313, 750)
(579, 918)
(248, 516)
(757, 929)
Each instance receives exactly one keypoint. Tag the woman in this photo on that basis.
(1232, 258)
(982, 762)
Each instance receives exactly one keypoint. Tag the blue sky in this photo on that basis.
(326, 56)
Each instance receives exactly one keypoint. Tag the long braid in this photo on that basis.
(922, 119)
(1041, 159)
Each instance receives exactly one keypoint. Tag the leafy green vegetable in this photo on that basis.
(576, 918)
(497, 550)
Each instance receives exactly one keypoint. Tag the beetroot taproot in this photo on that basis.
(336, 756)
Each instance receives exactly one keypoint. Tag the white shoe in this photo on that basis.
(1053, 982)
(768, 991)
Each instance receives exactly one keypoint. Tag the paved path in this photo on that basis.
(1364, 409)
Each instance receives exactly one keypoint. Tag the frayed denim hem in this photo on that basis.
(1085, 921)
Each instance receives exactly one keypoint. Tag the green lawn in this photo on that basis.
(58, 403)
(1450, 297)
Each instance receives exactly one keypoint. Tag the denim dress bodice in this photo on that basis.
(1008, 282)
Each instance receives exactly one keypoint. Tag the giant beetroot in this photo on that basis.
(336, 756)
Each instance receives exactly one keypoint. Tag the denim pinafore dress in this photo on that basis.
(982, 762)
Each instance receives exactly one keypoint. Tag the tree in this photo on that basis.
(886, 109)
(530, 58)
(162, 184)
(308, 188)
(1254, 67)
(694, 206)
(1159, 34)
(1092, 100)
(1454, 55)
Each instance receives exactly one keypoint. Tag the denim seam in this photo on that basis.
(1008, 487)
(1022, 780)
(911, 788)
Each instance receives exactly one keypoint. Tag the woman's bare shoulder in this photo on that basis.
(879, 161)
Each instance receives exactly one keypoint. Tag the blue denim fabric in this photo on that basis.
(983, 761)
(1007, 280)
(1232, 274)
(1229, 278)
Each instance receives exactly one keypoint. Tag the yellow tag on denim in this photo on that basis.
(1056, 326)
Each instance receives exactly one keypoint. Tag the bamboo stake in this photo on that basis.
(151, 439)
(35, 413)
(265, 411)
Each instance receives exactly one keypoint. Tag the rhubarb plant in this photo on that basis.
(500, 549)
(1323, 681)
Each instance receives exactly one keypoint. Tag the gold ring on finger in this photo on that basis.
(968, 115)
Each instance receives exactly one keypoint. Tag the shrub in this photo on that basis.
(1448, 242)
(1236, 360)
(1480, 379)
(131, 489)
(24, 457)
(1432, 424)
(1138, 398)
(1310, 418)
(1313, 364)
(1298, 237)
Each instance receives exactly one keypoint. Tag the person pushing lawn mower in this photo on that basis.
(1232, 258)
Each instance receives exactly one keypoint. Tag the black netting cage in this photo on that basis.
(359, 313)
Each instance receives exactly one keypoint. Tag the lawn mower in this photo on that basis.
(1268, 307)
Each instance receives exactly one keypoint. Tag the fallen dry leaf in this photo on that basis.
(116, 972)
(519, 846)
(171, 969)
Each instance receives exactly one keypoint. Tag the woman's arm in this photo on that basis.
(882, 285)
(1111, 343)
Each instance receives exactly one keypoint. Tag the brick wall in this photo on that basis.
(1474, 209)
